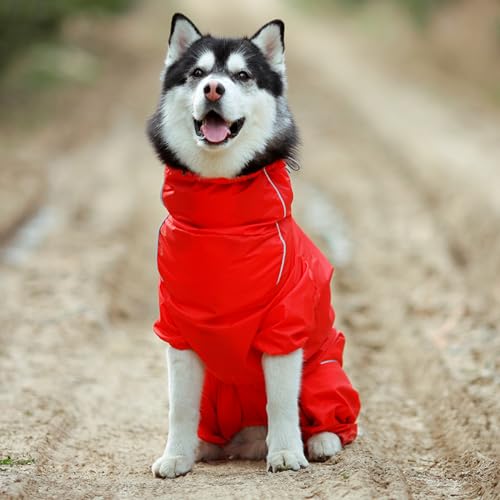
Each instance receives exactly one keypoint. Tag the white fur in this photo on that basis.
(323, 446)
(232, 107)
(257, 106)
(183, 35)
(236, 63)
(185, 378)
(206, 61)
(284, 442)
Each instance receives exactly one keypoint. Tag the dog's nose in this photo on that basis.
(214, 90)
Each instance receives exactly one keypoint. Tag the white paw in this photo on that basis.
(286, 460)
(323, 446)
(173, 466)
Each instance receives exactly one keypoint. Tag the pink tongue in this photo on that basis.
(214, 130)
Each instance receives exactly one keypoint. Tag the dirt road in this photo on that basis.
(399, 184)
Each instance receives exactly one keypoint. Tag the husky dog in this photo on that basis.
(223, 114)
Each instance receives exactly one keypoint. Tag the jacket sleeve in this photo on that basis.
(164, 326)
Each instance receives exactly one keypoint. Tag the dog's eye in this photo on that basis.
(198, 73)
(243, 76)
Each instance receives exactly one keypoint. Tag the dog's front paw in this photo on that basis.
(286, 460)
(323, 446)
(172, 466)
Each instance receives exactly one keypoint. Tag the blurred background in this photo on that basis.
(398, 104)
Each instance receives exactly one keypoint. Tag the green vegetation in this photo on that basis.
(46, 65)
(23, 22)
(420, 10)
(20, 461)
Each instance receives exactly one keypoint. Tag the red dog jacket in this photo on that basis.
(239, 278)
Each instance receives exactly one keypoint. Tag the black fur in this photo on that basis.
(283, 147)
(222, 48)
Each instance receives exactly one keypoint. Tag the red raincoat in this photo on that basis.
(239, 278)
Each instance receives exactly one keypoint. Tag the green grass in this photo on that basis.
(19, 461)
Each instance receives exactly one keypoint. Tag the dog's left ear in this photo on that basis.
(270, 39)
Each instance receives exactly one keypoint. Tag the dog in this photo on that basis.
(254, 362)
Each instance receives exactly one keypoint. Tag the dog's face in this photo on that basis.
(223, 109)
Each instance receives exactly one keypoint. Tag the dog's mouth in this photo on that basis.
(214, 130)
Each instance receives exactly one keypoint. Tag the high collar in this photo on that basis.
(262, 197)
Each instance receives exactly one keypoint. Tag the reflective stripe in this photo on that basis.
(277, 192)
(277, 225)
(328, 361)
(284, 253)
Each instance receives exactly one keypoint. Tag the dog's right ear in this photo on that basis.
(182, 34)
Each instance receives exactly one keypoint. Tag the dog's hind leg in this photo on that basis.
(248, 444)
(185, 379)
(283, 378)
(323, 446)
(209, 451)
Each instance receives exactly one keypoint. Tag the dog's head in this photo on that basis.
(223, 109)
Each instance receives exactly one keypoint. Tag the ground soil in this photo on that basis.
(400, 186)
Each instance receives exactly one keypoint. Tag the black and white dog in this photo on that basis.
(223, 113)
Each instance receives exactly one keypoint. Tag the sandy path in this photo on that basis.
(84, 374)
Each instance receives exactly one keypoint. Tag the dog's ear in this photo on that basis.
(270, 39)
(182, 34)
